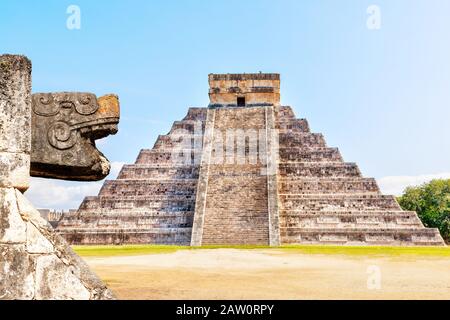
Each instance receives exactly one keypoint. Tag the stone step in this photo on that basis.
(190, 126)
(229, 240)
(301, 140)
(348, 236)
(169, 156)
(175, 236)
(285, 113)
(348, 213)
(127, 230)
(293, 125)
(134, 213)
(327, 185)
(245, 216)
(328, 194)
(309, 155)
(236, 170)
(169, 203)
(157, 166)
(182, 141)
(152, 181)
(196, 114)
(318, 169)
(126, 187)
(356, 220)
(124, 221)
(149, 171)
(153, 197)
(331, 202)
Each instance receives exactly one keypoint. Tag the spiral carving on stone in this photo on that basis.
(86, 104)
(61, 136)
(43, 105)
(50, 104)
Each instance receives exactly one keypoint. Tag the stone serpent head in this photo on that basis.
(65, 126)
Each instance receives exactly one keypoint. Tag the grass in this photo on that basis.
(140, 249)
(123, 250)
(128, 250)
(371, 250)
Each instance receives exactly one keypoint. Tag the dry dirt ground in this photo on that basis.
(272, 274)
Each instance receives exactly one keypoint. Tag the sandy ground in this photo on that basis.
(273, 274)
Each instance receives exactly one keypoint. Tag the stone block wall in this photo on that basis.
(255, 88)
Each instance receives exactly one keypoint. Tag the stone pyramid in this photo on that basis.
(244, 170)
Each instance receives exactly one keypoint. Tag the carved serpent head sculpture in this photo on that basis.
(65, 126)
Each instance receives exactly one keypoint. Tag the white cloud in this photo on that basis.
(395, 185)
(59, 194)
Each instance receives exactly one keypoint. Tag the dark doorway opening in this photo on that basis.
(241, 101)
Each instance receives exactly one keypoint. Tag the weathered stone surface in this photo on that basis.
(255, 89)
(43, 239)
(36, 242)
(15, 121)
(298, 191)
(15, 170)
(64, 128)
(12, 227)
(35, 262)
(15, 104)
(58, 281)
(17, 267)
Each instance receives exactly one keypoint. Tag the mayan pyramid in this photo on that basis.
(244, 170)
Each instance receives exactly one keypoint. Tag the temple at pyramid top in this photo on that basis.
(244, 89)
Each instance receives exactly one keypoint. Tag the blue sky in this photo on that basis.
(381, 96)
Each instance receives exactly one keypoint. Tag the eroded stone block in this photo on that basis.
(15, 104)
(15, 121)
(57, 281)
(16, 273)
(27, 210)
(12, 227)
(14, 170)
(36, 242)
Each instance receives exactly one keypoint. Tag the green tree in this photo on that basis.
(431, 201)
